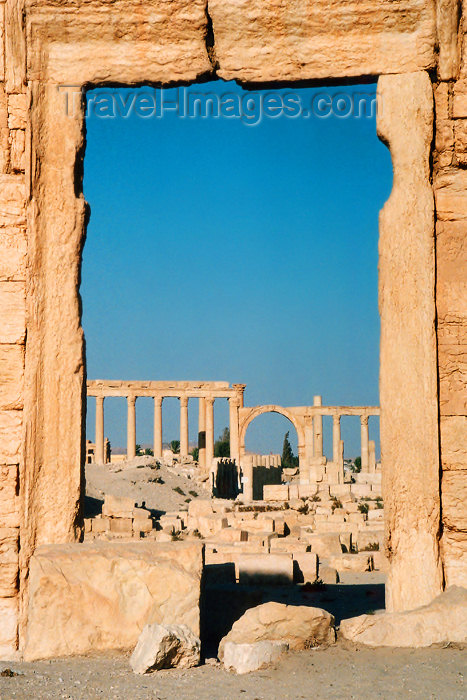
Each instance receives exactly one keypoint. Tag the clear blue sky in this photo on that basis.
(219, 250)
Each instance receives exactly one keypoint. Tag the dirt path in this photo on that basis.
(340, 672)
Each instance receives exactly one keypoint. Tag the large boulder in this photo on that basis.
(444, 620)
(97, 596)
(244, 658)
(165, 646)
(299, 626)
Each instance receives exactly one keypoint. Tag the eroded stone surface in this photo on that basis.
(443, 621)
(301, 627)
(267, 40)
(88, 597)
(245, 658)
(408, 375)
(165, 646)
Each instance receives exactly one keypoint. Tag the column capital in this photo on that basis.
(100, 399)
(364, 419)
(183, 401)
(234, 401)
(131, 400)
(336, 418)
(210, 400)
(158, 400)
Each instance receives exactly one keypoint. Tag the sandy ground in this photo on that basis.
(340, 672)
(138, 479)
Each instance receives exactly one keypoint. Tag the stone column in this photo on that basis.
(336, 437)
(318, 429)
(364, 441)
(234, 436)
(371, 457)
(99, 454)
(158, 427)
(183, 426)
(209, 432)
(131, 427)
(202, 432)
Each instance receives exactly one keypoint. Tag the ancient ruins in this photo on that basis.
(307, 421)
(52, 51)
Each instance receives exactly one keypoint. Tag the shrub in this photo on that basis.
(193, 493)
(178, 490)
(363, 508)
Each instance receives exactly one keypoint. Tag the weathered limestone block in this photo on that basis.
(12, 254)
(10, 436)
(11, 372)
(265, 569)
(443, 620)
(352, 562)
(8, 627)
(267, 40)
(245, 658)
(300, 626)
(453, 442)
(305, 567)
(454, 500)
(447, 16)
(118, 506)
(17, 150)
(453, 375)
(94, 596)
(12, 303)
(165, 646)
(9, 498)
(17, 111)
(157, 41)
(454, 553)
(324, 544)
(408, 388)
(451, 195)
(12, 200)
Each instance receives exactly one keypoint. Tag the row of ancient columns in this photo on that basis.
(315, 440)
(205, 428)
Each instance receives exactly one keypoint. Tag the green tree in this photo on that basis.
(175, 446)
(222, 445)
(149, 452)
(357, 465)
(288, 459)
(195, 453)
(138, 450)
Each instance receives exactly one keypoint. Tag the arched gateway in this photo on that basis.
(247, 415)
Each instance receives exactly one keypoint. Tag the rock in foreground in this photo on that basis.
(244, 658)
(299, 626)
(444, 620)
(165, 646)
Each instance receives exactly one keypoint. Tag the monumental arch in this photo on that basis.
(415, 49)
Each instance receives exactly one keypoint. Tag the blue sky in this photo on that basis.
(219, 250)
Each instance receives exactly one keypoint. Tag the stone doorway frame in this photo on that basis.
(85, 46)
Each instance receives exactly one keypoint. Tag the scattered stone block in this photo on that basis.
(328, 574)
(118, 507)
(443, 621)
(199, 507)
(245, 658)
(305, 567)
(100, 524)
(326, 544)
(165, 646)
(352, 562)
(121, 525)
(289, 544)
(265, 569)
(300, 626)
(276, 492)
